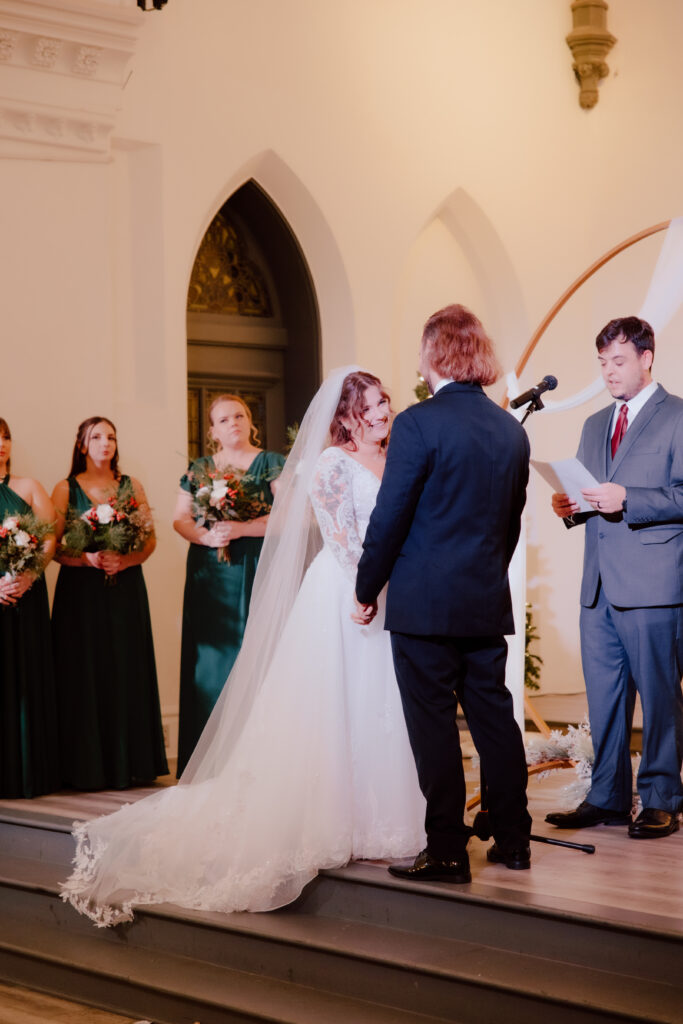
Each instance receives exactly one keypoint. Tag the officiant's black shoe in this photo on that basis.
(426, 868)
(586, 815)
(652, 823)
(517, 859)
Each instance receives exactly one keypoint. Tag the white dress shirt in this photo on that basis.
(634, 404)
(442, 382)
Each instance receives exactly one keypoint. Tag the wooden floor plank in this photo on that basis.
(22, 1006)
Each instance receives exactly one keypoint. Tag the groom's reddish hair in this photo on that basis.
(456, 345)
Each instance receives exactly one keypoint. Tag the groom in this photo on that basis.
(442, 533)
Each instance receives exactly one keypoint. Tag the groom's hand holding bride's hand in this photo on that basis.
(364, 613)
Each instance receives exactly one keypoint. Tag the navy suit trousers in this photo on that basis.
(434, 675)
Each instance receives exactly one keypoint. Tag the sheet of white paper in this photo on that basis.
(567, 476)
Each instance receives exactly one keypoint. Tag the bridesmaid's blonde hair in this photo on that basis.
(228, 397)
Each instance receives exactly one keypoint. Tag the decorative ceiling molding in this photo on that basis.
(63, 67)
(590, 42)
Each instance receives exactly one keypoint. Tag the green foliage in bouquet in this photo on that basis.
(21, 543)
(225, 496)
(292, 430)
(118, 525)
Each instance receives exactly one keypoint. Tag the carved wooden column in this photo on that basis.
(590, 42)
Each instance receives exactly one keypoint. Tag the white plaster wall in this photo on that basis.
(422, 153)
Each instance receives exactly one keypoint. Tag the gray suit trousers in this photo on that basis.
(620, 646)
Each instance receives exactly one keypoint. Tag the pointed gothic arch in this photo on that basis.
(252, 318)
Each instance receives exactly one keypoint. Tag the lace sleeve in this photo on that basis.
(332, 500)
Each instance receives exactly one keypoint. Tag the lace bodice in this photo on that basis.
(343, 495)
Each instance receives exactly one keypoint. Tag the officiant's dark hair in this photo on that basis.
(457, 346)
(5, 432)
(79, 461)
(350, 407)
(630, 328)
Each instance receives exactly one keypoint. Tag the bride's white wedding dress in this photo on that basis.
(321, 772)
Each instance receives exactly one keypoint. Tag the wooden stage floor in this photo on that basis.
(635, 881)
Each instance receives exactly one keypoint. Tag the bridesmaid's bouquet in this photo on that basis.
(223, 496)
(118, 525)
(21, 544)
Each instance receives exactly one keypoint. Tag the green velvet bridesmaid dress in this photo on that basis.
(215, 608)
(29, 747)
(109, 714)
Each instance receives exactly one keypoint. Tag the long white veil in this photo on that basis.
(292, 541)
(208, 842)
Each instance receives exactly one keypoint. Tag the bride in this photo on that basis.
(305, 762)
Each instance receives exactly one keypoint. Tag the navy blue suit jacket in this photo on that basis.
(447, 517)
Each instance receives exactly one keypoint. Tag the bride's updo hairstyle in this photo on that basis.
(351, 404)
(457, 346)
(79, 462)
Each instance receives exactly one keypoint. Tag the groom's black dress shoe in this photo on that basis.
(518, 859)
(586, 815)
(652, 823)
(426, 868)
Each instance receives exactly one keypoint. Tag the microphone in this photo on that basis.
(549, 383)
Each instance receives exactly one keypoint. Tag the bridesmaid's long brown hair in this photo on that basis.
(79, 462)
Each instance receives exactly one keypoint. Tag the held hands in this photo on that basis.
(111, 562)
(220, 534)
(94, 559)
(14, 587)
(364, 613)
(8, 590)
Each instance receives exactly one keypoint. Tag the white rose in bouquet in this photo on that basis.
(105, 514)
(218, 492)
(22, 539)
(10, 523)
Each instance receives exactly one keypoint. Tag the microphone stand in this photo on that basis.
(481, 827)
(535, 405)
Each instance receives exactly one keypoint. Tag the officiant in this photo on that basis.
(632, 588)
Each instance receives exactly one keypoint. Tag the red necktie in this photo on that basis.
(620, 429)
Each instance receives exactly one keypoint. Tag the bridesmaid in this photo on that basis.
(217, 593)
(29, 746)
(110, 719)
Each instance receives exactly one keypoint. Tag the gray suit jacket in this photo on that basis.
(638, 554)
